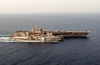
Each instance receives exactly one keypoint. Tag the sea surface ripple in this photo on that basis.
(70, 51)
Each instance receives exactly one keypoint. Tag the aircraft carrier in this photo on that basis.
(38, 35)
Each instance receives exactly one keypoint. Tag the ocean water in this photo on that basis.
(70, 51)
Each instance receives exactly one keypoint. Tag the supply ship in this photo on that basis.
(38, 35)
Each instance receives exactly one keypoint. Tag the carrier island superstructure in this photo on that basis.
(38, 35)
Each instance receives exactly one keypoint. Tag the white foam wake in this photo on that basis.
(5, 39)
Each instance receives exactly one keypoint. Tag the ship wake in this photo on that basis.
(5, 38)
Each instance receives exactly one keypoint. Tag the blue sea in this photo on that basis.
(70, 51)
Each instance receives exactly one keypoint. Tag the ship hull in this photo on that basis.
(73, 35)
(47, 38)
(38, 41)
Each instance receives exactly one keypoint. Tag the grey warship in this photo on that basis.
(38, 35)
(35, 35)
